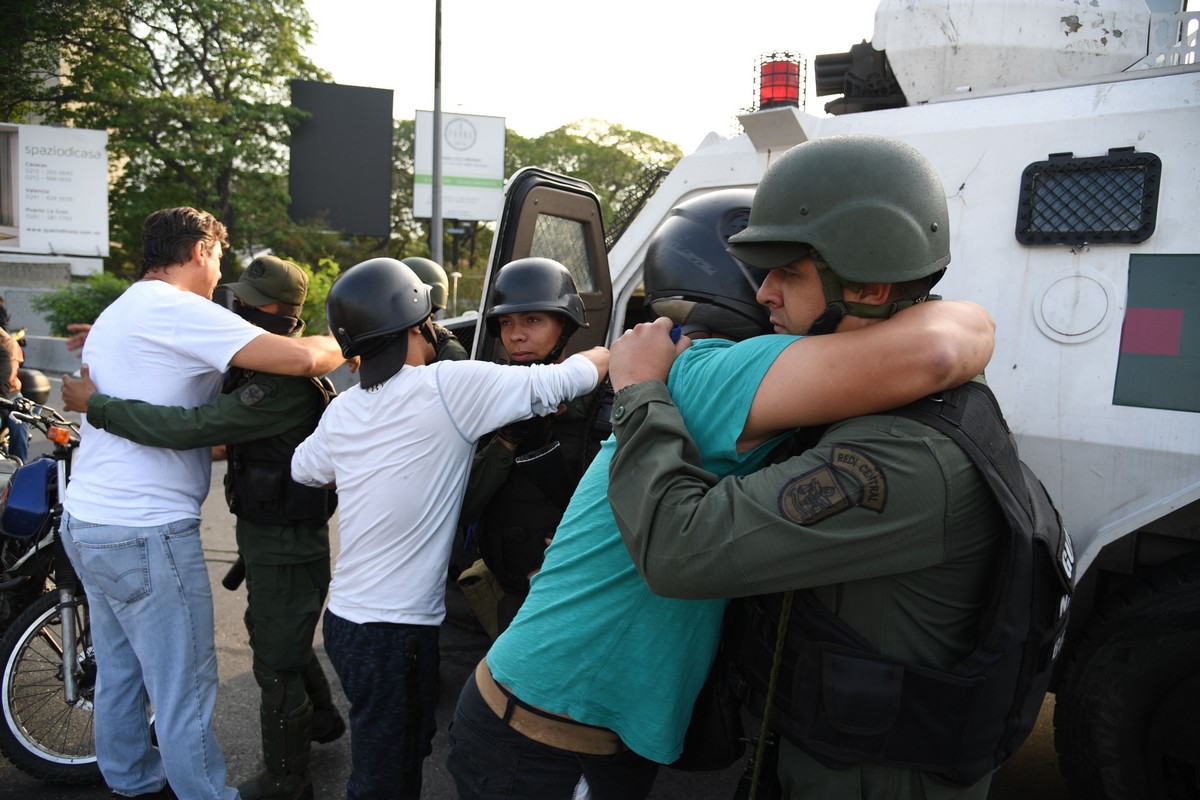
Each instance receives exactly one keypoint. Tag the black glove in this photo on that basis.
(520, 432)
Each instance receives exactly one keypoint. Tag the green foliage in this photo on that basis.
(81, 301)
(319, 281)
(194, 94)
(609, 157)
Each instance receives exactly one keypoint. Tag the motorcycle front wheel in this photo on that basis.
(42, 734)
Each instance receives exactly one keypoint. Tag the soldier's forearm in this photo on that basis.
(657, 490)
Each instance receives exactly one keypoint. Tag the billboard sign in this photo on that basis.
(472, 166)
(53, 190)
(341, 158)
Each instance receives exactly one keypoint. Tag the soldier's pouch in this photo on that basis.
(547, 469)
(483, 592)
(255, 487)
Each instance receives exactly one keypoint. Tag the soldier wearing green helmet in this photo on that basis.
(432, 275)
(878, 524)
(865, 209)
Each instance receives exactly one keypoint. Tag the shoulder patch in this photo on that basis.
(812, 497)
(255, 392)
(865, 472)
(820, 493)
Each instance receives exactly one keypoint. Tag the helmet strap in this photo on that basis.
(557, 350)
(837, 307)
(426, 329)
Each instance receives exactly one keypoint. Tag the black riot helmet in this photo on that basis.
(535, 284)
(690, 277)
(373, 301)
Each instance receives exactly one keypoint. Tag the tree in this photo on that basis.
(609, 157)
(194, 94)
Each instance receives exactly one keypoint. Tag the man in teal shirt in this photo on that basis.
(592, 686)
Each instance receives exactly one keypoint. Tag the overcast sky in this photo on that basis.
(673, 69)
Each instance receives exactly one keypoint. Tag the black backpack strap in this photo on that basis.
(971, 417)
(844, 703)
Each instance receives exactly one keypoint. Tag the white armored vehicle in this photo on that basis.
(1067, 136)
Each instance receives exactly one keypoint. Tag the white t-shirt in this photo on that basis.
(166, 346)
(400, 456)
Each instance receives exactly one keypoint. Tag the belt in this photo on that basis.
(542, 726)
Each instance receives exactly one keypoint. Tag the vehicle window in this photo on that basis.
(565, 241)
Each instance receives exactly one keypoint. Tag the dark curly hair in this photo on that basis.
(169, 234)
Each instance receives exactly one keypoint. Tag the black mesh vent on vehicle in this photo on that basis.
(1097, 200)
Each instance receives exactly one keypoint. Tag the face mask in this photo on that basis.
(273, 323)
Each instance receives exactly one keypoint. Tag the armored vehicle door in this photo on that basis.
(552, 216)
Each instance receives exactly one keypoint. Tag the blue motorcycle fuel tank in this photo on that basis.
(26, 505)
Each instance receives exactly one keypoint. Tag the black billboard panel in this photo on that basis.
(341, 157)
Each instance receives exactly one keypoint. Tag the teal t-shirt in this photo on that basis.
(591, 641)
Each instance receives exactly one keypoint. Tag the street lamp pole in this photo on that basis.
(435, 224)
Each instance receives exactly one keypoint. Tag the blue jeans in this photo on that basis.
(491, 761)
(18, 435)
(152, 626)
(389, 673)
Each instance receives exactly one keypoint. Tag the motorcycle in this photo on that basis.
(47, 663)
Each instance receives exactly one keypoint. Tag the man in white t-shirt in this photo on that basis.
(132, 513)
(409, 426)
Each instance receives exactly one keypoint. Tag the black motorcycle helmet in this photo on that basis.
(370, 307)
(375, 299)
(690, 277)
(535, 284)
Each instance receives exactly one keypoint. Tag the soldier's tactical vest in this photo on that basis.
(843, 703)
(259, 486)
(526, 510)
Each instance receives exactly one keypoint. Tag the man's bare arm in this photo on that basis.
(821, 379)
(285, 355)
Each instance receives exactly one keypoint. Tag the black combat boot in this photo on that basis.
(286, 742)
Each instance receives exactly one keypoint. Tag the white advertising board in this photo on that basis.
(472, 166)
(53, 190)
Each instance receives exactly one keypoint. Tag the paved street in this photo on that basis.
(1031, 775)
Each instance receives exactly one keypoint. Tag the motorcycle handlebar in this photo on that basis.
(43, 416)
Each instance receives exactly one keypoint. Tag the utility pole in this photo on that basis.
(435, 224)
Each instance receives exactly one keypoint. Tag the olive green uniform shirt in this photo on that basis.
(885, 519)
(265, 406)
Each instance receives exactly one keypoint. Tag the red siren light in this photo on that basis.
(779, 80)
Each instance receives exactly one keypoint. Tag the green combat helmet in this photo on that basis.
(868, 209)
(433, 276)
